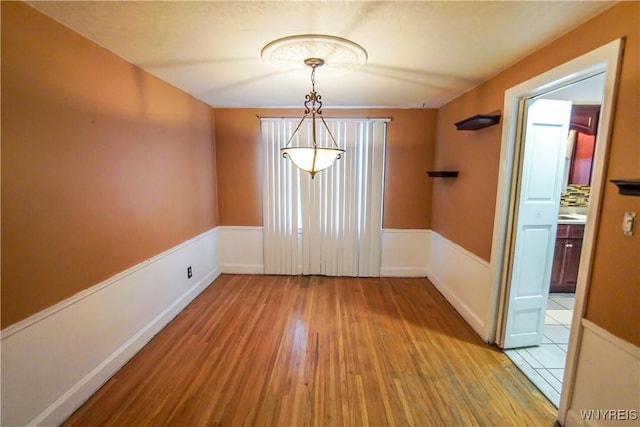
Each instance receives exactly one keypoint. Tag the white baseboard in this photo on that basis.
(464, 280)
(55, 360)
(405, 253)
(243, 269)
(241, 250)
(607, 381)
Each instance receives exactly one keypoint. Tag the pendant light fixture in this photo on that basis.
(339, 55)
(312, 159)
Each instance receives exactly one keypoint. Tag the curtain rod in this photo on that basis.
(354, 119)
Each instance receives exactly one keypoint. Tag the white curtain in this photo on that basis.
(338, 213)
(280, 200)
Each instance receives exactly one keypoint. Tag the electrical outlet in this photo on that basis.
(189, 272)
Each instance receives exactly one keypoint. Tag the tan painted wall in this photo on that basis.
(103, 165)
(614, 296)
(409, 154)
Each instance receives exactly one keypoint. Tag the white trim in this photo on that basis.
(241, 249)
(611, 56)
(239, 228)
(404, 252)
(606, 362)
(463, 278)
(55, 360)
(242, 268)
(49, 311)
(402, 271)
(621, 344)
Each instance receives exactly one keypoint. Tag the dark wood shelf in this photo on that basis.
(479, 121)
(442, 174)
(628, 187)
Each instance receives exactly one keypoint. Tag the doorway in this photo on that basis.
(543, 358)
(602, 61)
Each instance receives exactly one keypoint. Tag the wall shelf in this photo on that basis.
(479, 121)
(628, 187)
(442, 174)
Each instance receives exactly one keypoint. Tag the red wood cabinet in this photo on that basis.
(584, 118)
(566, 258)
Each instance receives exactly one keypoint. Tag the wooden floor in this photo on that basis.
(298, 351)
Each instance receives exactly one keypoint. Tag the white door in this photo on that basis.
(547, 127)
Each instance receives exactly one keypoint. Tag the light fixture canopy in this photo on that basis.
(312, 159)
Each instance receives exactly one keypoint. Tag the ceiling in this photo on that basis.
(420, 53)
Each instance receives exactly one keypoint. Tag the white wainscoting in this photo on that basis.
(464, 279)
(405, 253)
(607, 381)
(55, 360)
(241, 250)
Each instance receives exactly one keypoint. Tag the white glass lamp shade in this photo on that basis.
(312, 159)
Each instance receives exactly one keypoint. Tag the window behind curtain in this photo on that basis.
(329, 225)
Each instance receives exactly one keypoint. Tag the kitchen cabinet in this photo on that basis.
(584, 121)
(584, 118)
(566, 258)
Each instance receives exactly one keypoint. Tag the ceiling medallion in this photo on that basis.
(289, 53)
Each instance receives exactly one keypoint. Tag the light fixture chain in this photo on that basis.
(313, 96)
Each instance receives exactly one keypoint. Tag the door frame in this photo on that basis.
(603, 59)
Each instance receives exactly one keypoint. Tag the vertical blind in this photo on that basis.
(330, 225)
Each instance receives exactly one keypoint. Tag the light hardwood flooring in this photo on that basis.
(332, 351)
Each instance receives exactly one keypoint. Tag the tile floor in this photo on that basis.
(544, 364)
